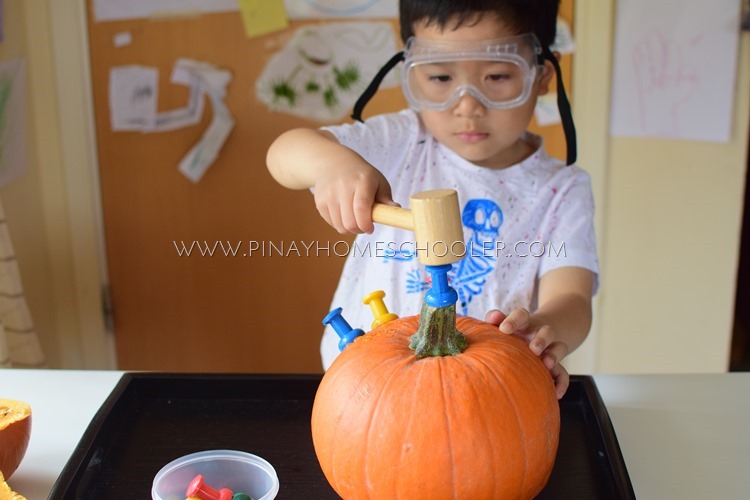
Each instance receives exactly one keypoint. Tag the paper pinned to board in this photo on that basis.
(113, 10)
(133, 103)
(324, 68)
(133, 95)
(133, 99)
(202, 155)
(260, 17)
(185, 74)
(563, 43)
(122, 39)
(324, 9)
(546, 111)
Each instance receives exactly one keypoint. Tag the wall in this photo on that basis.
(51, 209)
(668, 212)
(22, 199)
(669, 222)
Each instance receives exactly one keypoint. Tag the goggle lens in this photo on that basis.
(495, 83)
(499, 73)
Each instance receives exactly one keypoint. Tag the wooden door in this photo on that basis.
(222, 313)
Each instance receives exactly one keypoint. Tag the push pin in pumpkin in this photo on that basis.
(378, 308)
(198, 488)
(345, 332)
(440, 294)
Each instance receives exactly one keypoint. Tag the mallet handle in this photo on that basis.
(393, 216)
(435, 219)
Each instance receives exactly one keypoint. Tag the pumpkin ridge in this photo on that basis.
(534, 385)
(469, 363)
(444, 405)
(501, 384)
(474, 363)
(400, 364)
(332, 449)
(412, 414)
(338, 371)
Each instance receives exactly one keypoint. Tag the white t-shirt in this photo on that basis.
(519, 222)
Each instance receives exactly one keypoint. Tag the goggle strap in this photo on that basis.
(359, 106)
(566, 114)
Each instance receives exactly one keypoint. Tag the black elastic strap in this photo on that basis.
(566, 115)
(359, 106)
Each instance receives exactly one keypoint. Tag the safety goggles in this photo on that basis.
(498, 73)
(520, 56)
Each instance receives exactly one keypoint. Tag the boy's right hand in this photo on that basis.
(344, 196)
(345, 185)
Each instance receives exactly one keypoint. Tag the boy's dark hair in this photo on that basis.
(526, 16)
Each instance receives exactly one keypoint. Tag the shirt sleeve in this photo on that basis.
(383, 140)
(569, 228)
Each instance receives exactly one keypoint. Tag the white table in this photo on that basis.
(682, 436)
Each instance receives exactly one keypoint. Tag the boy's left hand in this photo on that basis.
(541, 341)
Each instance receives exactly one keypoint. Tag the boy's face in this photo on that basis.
(484, 136)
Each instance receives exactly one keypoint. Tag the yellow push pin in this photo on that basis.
(379, 310)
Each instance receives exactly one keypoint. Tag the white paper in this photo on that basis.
(195, 163)
(563, 43)
(122, 39)
(111, 10)
(185, 72)
(214, 82)
(133, 103)
(324, 68)
(12, 120)
(133, 96)
(546, 111)
(674, 69)
(322, 9)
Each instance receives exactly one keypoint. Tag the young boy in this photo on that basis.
(472, 73)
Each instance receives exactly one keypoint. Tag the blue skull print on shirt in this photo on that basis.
(468, 276)
(483, 218)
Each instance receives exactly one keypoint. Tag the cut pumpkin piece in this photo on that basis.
(6, 493)
(15, 431)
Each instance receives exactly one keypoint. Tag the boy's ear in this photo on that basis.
(548, 71)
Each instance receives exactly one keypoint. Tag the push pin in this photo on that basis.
(346, 333)
(199, 488)
(378, 308)
(441, 294)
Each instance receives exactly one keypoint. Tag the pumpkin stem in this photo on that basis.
(437, 334)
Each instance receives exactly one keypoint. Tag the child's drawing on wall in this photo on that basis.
(323, 69)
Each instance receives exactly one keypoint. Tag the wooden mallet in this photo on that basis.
(435, 219)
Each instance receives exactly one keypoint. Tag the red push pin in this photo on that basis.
(198, 488)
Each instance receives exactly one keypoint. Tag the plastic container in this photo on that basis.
(239, 471)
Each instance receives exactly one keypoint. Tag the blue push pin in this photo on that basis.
(441, 294)
(342, 328)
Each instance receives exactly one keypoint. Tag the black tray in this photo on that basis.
(150, 419)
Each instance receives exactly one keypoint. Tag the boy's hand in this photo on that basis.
(541, 341)
(344, 196)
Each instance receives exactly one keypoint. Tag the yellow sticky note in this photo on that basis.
(263, 16)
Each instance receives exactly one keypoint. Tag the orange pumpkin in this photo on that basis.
(15, 431)
(482, 423)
